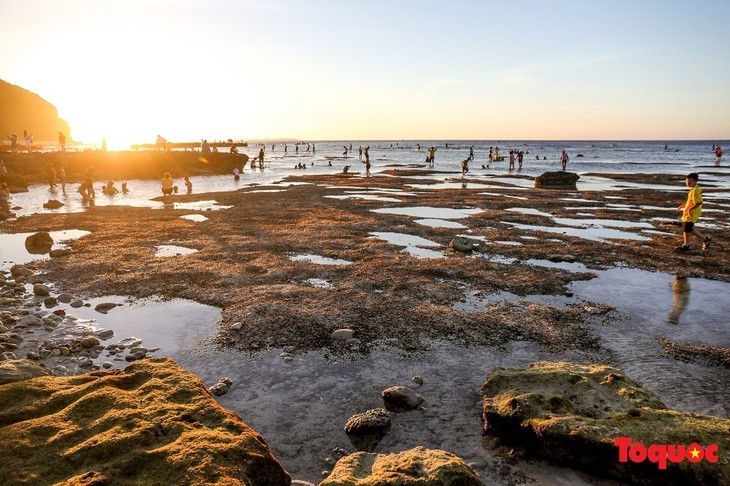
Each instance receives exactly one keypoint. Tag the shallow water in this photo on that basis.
(319, 260)
(13, 250)
(173, 250)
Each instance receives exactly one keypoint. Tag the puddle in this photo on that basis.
(200, 206)
(13, 250)
(173, 250)
(414, 245)
(176, 326)
(266, 190)
(430, 212)
(439, 223)
(198, 218)
(319, 283)
(508, 243)
(454, 185)
(319, 260)
(593, 234)
(367, 197)
(503, 195)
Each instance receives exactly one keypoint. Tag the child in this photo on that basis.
(691, 211)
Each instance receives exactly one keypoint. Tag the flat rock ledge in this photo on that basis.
(572, 414)
(151, 423)
(414, 467)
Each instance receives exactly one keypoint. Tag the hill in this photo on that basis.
(21, 110)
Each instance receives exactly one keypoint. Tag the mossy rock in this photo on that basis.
(415, 467)
(151, 423)
(572, 414)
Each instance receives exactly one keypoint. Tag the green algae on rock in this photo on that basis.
(572, 414)
(151, 423)
(415, 467)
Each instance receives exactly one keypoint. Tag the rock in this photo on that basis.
(227, 381)
(180, 435)
(7, 355)
(15, 370)
(375, 420)
(236, 326)
(572, 414)
(105, 307)
(464, 245)
(84, 362)
(60, 370)
(65, 298)
(59, 253)
(342, 334)
(401, 397)
(107, 364)
(219, 389)
(59, 312)
(562, 258)
(105, 334)
(557, 180)
(53, 204)
(50, 301)
(41, 290)
(89, 342)
(77, 303)
(414, 467)
(30, 320)
(39, 243)
(177, 287)
(417, 380)
(20, 271)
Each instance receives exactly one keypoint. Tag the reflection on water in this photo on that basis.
(681, 298)
(13, 250)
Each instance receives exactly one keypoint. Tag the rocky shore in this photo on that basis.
(247, 264)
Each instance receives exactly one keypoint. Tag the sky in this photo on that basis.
(372, 69)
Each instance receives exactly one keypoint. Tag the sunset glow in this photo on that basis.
(379, 70)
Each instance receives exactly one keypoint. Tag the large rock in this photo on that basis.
(39, 243)
(573, 414)
(151, 423)
(401, 397)
(15, 370)
(557, 180)
(415, 467)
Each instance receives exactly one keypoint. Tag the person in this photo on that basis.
(124, 188)
(234, 149)
(367, 162)
(62, 176)
(167, 184)
(50, 174)
(62, 141)
(109, 189)
(188, 185)
(718, 155)
(236, 174)
(28, 140)
(344, 154)
(465, 166)
(86, 189)
(691, 212)
(511, 159)
(205, 146)
(431, 156)
(160, 143)
(564, 159)
(13, 143)
(471, 153)
(261, 158)
(520, 156)
(359, 152)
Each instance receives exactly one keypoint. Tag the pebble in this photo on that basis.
(236, 326)
(105, 307)
(219, 389)
(65, 298)
(105, 334)
(417, 380)
(89, 342)
(41, 290)
(107, 364)
(77, 303)
(342, 334)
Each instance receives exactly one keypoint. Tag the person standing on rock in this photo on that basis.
(691, 212)
(564, 160)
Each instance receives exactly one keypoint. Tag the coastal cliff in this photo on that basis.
(21, 109)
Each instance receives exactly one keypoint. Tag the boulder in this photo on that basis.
(464, 245)
(151, 423)
(53, 204)
(15, 370)
(557, 180)
(39, 243)
(342, 334)
(414, 467)
(401, 397)
(375, 420)
(573, 414)
(104, 307)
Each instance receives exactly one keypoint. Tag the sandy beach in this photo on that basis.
(551, 274)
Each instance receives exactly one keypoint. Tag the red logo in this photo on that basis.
(661, 454)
